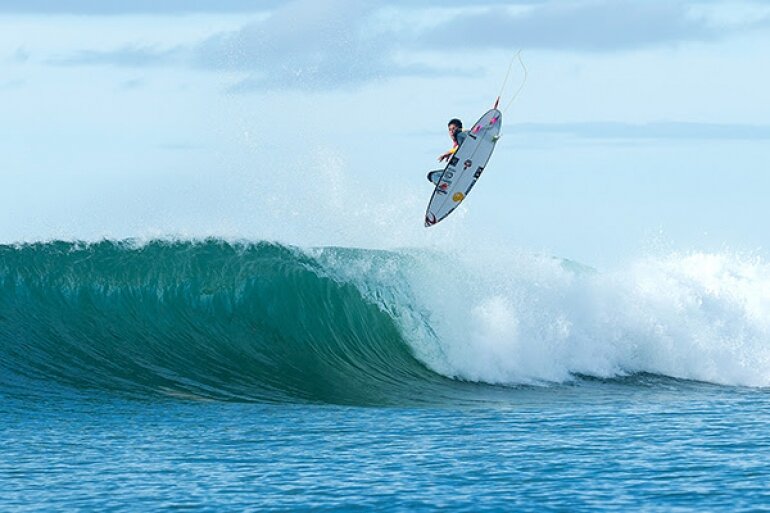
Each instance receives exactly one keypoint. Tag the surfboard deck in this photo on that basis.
(464, 168)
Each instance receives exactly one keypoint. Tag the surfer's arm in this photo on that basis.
(445, 156)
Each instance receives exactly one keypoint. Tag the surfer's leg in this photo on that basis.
(435, 176)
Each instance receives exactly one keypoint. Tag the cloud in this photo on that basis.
(132, 56)
(117, 7)
(305, 44)
(327, 44)
(658, 130)
(8, 85)
(21, 55)
(130, 85)
(594, 25)
(174, 7)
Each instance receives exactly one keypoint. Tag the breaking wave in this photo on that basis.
(218, 320)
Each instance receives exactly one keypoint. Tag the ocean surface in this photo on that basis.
(215, 375)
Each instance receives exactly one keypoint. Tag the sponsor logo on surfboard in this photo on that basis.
(467, 164)
(446, 180)
(458, 196)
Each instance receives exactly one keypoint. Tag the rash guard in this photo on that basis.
(459, 138)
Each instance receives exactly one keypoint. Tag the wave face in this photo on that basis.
(209, 320)
(263, 322)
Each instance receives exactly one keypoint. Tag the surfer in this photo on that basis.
(458, 136)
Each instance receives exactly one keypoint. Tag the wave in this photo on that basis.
(206, 320)
(238, 321)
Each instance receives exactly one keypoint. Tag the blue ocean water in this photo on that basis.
(221, 376)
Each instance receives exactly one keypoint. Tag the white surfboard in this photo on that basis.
(465, 167)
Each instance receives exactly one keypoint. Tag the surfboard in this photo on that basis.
(464, 168)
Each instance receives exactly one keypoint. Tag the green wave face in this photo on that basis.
(200, 320)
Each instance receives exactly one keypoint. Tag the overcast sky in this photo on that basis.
(642, 123)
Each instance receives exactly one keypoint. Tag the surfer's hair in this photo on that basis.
(455, 121)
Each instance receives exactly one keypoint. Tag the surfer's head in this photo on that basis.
(455, 125)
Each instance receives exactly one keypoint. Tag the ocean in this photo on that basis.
(221, 375)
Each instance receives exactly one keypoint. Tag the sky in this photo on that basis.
(642, 124)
